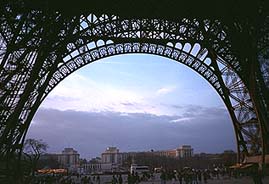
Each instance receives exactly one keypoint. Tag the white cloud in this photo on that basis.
(165, 90)
(81, 94)
(184, 119)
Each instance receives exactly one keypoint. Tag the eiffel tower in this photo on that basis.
(43, 42)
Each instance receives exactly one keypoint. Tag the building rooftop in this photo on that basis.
(69, 150)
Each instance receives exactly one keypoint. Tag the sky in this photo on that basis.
(136, 102)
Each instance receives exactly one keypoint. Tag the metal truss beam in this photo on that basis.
(39, 48)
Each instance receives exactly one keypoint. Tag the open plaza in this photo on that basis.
(108, 179)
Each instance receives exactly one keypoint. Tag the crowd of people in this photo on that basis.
(183, 176)
(188, 176)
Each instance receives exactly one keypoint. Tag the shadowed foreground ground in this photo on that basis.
(106, 179)
(244, 180)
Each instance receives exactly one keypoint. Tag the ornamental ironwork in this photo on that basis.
(39, 49)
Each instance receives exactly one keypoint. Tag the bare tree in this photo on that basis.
(32, 150)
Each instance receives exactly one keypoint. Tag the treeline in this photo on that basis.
(203, 161)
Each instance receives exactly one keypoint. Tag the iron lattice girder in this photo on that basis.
(20, 70)
(171, 9)
(24, 34)
(204, 32)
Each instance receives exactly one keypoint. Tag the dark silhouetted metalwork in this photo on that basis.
(40, 48)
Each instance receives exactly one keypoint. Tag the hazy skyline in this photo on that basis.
(134, 102)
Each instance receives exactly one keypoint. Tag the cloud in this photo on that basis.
(80, 94)
(91, 132)
(128, 104)
(181, 120)
(176, 106)
(77, 93)
(165, 90)
(124, 94)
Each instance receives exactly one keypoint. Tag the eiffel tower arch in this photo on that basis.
(40, 47)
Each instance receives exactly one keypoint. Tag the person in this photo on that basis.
(256, 174)
(136, 178)
(179, 176)
(205, 176)
(98, 179)
(89, 180)
(194, 176)
(114, 180)
(120, 179)
(129, 179)
(163, 177)
(199, 176)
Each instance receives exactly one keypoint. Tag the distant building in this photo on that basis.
(69, 158)
(114, 156)
(99, 167)
(185, 151)
(166, 153)
(112, 159)
(111, 155)
(95, 160)
(229, 152)
(128, 155)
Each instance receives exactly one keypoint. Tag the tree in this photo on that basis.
(48, 161)
(32, 151)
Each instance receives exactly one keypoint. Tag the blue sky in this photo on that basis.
(136, 96)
